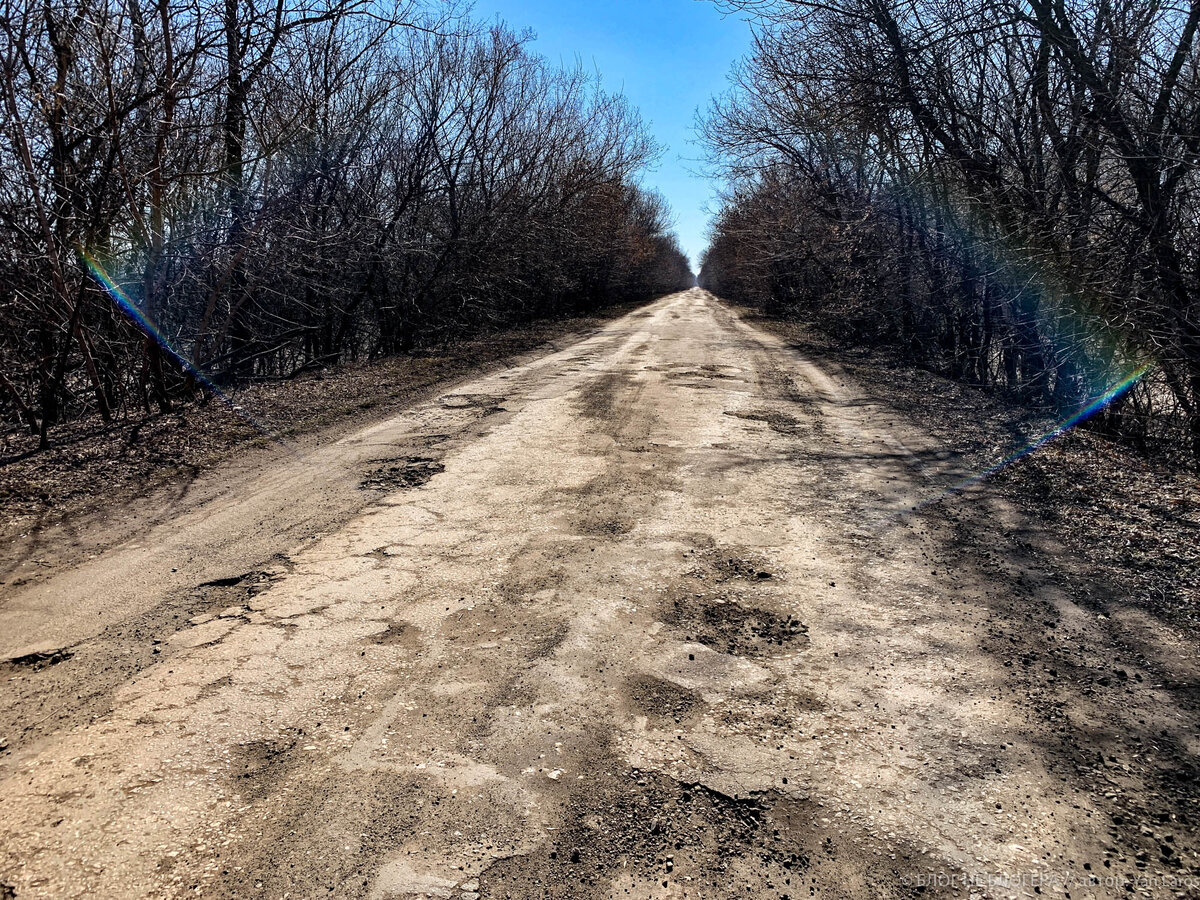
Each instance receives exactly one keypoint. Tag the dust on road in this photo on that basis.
(647, 617)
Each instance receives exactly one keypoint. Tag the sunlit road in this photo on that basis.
(645, 617)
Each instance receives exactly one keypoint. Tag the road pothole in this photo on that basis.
(41, 659)
(602, 526)
(729, 627)
(701, 372)
(487, 402)
(637, 833)
(784, 710)
(781, 423)
(725, 564)
(640, 825)
(401, 473)
(233, 591)
(397, 634)
(256, 766)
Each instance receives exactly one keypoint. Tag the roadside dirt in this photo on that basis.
(1134, 516)
(675, 611)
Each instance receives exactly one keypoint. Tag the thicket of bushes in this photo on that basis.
(1006, 191)
(249, 188)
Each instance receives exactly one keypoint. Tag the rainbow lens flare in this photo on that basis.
(151, 330)
(1086, 412)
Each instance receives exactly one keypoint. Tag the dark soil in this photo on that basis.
(681, 840)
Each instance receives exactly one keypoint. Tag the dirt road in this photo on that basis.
(651, 616)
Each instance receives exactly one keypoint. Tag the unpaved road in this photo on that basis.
(651, 616)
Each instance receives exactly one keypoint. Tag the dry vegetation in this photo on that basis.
(1005, 192)
(199, 194)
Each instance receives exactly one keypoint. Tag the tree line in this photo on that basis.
(203, 191)
(1005, 190)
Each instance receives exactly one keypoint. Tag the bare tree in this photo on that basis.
(1008, 191)
(201, 192)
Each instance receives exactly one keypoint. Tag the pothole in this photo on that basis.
(397, 634)
(661, 701)
(256, 765)
(726, 564)
(472, 401)
(782, 710)
(602, 526)
(401, 473)
(229, 597)
(637, 833)
(41, 659)
(729, 567)
(728, 627)
(702, 372)
(234, 589)
(780, 423)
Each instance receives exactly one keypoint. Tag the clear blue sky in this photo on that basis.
(667, 56)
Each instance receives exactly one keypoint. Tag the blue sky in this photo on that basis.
(668, 56)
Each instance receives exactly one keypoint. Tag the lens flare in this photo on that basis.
(151, 330)
(131, 309)
(1106, 399)
(1067, 315)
